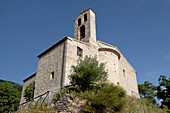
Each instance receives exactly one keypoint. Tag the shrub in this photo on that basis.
(108, 98)
(60, 93)
(29, 92)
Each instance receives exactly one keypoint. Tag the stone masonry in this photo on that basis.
(55, 63)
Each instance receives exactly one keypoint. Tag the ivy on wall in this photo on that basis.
(29, 91)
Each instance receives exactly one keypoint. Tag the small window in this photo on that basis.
(82, 32)
(123, 72)
(79, 21)
(79, 52)
(52, 75)
(85, 17)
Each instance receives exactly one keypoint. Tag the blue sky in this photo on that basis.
(139, 28)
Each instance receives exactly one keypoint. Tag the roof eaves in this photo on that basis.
(29, 77)
(53, 46)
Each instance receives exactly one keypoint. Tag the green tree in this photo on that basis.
(163, 91)
(148, 91)
(29, 92)
(87, 72)
(9, 97)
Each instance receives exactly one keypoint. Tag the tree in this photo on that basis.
(29, 92)
(87, 72)
(163, 91)
(148, 91)
(9, 97)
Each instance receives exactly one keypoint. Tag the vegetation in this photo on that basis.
(162, 92)
(14, 85)
(29, 92)
(87, 72)
(141, 106)
(107, 98)
(9, 97)
(148, 91)
(37, 109)
(88, 80)
(88, 84)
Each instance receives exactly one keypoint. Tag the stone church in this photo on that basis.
(55, 63)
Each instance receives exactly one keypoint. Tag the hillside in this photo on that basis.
(15, 85)
(133, 106)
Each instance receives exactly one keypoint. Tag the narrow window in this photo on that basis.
(85, 17)
(123, 72)
(79, 21)
(82, 32)
(79, 52)
(52, 75)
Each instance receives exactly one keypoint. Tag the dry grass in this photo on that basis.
(38, 109)
(141, 106)
(133, 106)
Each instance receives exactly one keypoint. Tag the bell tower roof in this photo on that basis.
(85, 11)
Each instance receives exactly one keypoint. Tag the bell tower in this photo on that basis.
(85, 26)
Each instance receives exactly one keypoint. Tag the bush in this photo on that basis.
(108, 98)
(29, 92)
(73, 91)
(60, 93)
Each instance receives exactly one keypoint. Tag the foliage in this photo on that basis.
(9, 97)
(134, 106)
(60, 93)
(141, 106)
(73, 91)
(29, 92)
(14, 85)
(147, 91)
(87, 72)
(164, 91)
(108, 98)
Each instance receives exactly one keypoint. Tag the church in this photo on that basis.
(55, 63)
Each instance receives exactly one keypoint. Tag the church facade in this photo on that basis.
(55, 63)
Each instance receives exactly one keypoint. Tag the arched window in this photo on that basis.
(82, 32)
(79, 21)
(85, 17)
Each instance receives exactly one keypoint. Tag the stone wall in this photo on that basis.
(90, 26)
(128, 78)
(26, 83)
(49, 71)
(120, 71)
(112, 65)
(63, 103)
(71, 56)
